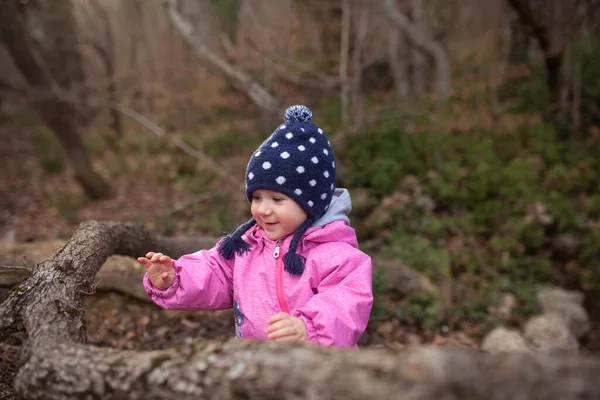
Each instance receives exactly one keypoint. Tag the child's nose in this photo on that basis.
(264, 209)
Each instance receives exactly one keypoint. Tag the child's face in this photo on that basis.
(276, 213)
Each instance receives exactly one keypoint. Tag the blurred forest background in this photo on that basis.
(467, 131)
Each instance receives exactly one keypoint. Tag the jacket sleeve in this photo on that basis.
(339, 313)
(203, 281)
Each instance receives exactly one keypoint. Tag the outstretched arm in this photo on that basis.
(201, 281)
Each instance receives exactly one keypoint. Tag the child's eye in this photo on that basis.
(277, 199)
(255, 198)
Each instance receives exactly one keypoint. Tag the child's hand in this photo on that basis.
(285, 328)
(159, 269)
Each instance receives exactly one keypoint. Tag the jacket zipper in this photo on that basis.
(279, 277)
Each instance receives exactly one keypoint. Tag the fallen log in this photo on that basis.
(57, 364)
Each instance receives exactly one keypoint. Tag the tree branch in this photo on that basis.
(263, 370)
(57, 365)
(241, 81)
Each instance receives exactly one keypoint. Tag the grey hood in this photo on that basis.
(338, 210)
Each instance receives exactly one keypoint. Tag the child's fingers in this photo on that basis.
(283, 332)
(278, 317)
(155, 257)
(149, 254)
(143, 260)
(275, 326)
(164, 259)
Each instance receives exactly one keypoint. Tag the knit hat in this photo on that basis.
(295, 160)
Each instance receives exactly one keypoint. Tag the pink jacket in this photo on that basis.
(333, 296)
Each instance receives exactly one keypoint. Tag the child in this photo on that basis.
(293, 272)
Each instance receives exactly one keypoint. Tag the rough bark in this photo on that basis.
(118, 274)
(425, 44)
(56, 364)
(238, 79)
(60, 116)
(255, 370)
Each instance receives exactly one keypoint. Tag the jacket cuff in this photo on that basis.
(311, 333)
(161, 293)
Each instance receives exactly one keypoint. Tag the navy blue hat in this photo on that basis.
(295, 160)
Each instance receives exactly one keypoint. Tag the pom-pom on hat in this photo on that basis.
(296, 160)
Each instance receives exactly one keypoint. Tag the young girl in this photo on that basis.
(293, 272)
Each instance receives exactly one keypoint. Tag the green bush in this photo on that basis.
(500, 199)
(51, 153)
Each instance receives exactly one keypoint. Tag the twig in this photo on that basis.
(93, 287)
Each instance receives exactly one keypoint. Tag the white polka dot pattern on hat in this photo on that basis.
(296, 161)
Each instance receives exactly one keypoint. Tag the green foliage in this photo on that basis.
(227, 14)
(380, 287)
(500, 199)
(230, 142)
(219, 217)
(422, 308)
(421, 254)
(49, 149)
(94, 144)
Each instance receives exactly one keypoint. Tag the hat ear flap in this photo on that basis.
(293, 262)
(234, 244)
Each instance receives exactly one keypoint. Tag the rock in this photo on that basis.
(549, 333)
(507, 303)
(568, 305)
(566, 245)
(505, 340)
(403, 279)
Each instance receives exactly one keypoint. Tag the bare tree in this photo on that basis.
(420, 40)
(105, 48)
(419, 63)
(553, 23)
(60, 116)
(238, 79)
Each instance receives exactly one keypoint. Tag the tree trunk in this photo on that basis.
(398, 65)
(56, 364)
(60, 116)
(419, 63)
(420, 40)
